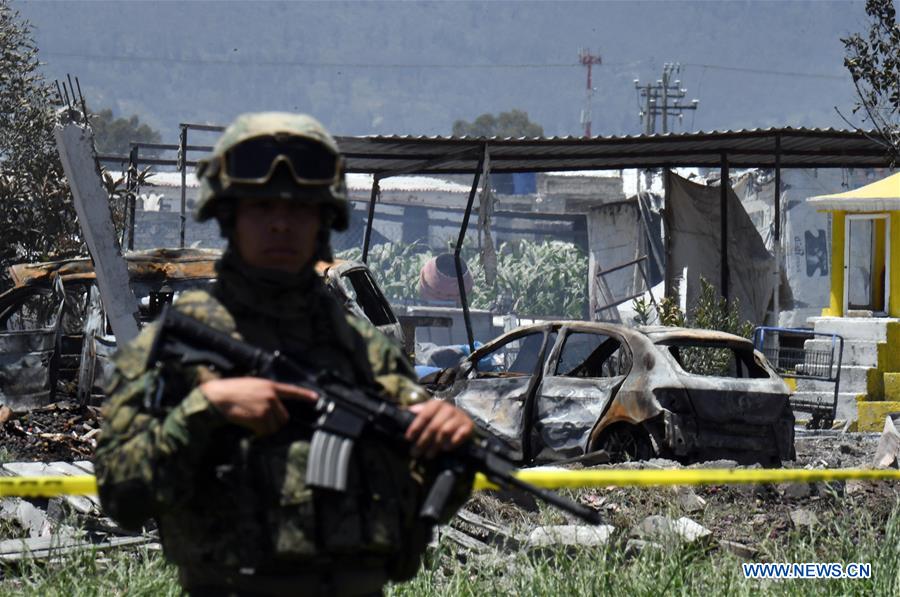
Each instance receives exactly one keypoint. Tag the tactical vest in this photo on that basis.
(251, 508)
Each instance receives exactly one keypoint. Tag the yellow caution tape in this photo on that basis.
(559, 478)
(50, 486)
(546, 478)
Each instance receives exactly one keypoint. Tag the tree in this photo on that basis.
(37, 217)
(115, 135)
(514, 123)
(874, 64)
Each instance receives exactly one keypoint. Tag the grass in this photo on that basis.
(674, 570)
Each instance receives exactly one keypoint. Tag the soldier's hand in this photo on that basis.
(253, 402)
(438, 426)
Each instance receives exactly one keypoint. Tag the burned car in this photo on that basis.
(561, 390)
(54, 306)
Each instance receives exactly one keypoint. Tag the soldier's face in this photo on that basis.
(276, 233)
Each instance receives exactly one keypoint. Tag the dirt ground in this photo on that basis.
(751, 516)
(746, 514)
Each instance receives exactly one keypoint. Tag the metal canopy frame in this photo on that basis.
(777, 148)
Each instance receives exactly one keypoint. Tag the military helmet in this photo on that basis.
(275, 154)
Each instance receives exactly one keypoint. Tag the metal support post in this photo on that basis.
(376, 190)
(182, 155)
(723, 212)
(458, 249)
(776, 240)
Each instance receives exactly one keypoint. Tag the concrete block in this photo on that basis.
(892, 386)
(873, 329)
(856, 352)
(872, 414)
(891, 348)
(875, 384)
(570, 534)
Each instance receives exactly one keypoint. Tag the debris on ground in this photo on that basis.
(61, 431)
(49, 528)
(888, 452)
(737, 520)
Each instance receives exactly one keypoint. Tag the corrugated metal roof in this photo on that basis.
(799, 148)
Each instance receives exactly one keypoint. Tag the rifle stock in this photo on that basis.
(343, 413)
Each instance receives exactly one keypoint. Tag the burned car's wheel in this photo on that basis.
(625, 443)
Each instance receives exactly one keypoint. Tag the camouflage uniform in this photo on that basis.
(233, 511)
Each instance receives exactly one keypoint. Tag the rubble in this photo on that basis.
(739, 549)
(571, 535)
(635, 547)
(54, 527)
(795, 491)
(804, 518)
(664, 528)
(888, 452)
(61, 431)
(688, 500)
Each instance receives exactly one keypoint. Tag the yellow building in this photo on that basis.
(865, 288)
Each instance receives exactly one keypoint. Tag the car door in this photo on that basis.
(580, 379)
(495, 390)
(29, 337)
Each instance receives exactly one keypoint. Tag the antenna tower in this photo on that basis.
(589, 60)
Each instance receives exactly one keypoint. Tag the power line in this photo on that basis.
(373, 65)
(760, 71)
(165, 60)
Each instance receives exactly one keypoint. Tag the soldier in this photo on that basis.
(218, 470)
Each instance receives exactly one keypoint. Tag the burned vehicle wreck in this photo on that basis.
(55, 337)
(561, 390)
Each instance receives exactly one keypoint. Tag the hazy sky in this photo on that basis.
(415, 67)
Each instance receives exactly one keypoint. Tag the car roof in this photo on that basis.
(667, 335)
(168, 264)
(656, 334)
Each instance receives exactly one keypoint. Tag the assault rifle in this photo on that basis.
(341, 415)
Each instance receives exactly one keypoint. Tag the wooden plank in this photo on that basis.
(14, 550)
(495, 534)
(463, 540)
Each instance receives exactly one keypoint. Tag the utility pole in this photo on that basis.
(589, 60)
(663, 99)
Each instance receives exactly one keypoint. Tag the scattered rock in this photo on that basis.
(662, 527)
(739, 549)
(795, 491)
(571, 534)
(888, 452)
(759, 519)
(689, 530)
(804, 518)
(853, 486)
(688, 500)
(635, 546)
(717, 464)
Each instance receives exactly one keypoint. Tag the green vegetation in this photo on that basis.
(874, 63)
(514, 123)
(710, 312)
(37, 218)
(673, 570)
(544, 279)
(115, 135)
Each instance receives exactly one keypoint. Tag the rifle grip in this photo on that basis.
(438, 496)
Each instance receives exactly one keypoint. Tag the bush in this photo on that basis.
(544, 279)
